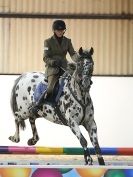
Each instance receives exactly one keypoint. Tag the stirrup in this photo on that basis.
(35, 109)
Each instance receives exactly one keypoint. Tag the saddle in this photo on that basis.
(42, 88)
(57, 91)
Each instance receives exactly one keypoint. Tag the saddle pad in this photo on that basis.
(41, 88)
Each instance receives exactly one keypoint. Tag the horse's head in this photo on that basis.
(84, 68)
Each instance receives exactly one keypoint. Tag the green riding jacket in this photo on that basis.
(54, 51)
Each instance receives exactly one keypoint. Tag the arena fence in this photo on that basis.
(63, 150)
(37, 168)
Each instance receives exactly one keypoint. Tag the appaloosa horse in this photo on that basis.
(74, 107)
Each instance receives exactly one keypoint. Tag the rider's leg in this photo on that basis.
(52, 80)
(48, 95)
(36, 107)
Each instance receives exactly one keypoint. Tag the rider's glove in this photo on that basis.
(54, 62)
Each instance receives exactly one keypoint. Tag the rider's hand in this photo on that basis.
(56, 63)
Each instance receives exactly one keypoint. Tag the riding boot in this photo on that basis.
(36, 107)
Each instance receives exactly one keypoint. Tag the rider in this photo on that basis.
(55, 50)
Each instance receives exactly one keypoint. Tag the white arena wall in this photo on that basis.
(113, 104)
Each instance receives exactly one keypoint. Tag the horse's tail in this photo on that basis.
(13, 101)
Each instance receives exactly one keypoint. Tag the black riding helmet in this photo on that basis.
(59, 25)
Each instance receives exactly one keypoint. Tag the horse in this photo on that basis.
(74, 107)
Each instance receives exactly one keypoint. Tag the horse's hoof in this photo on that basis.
(87, 157)
(32, 142)
(101, 161)
(88, 161)
(14, 139)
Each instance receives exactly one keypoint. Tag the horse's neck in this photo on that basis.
(76, 89)
(79, 94)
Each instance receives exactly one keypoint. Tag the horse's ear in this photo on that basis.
(80, 51)
(91, 51)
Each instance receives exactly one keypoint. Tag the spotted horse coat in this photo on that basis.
(75, 104)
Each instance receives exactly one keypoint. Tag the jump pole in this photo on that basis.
(63, 150)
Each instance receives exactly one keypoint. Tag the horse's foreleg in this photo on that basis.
(92, 130)
(16, 137)
(76, 130)
(35, 138)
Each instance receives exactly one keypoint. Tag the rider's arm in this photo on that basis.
(47, 56)
(47, 53)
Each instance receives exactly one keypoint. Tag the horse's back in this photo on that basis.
(22, 95)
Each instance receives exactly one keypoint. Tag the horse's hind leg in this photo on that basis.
(92, 130)
(76, 130)
(35, 138)
(16, 137)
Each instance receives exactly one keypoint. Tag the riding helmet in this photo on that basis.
(59, 25)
